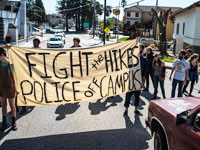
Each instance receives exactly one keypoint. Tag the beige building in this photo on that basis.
(141, 16)
(139, 13)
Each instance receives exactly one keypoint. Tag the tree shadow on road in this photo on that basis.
(133, 137)
(103, 105)
(65, 109)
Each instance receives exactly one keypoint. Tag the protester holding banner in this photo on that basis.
(36, 43)
(148, 67)
(159, 70)
(136, 93)
(7, 90)
(76, 41)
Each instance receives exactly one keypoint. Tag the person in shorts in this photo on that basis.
(7, 90)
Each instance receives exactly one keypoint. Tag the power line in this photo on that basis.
(70, 9)
(129, 4)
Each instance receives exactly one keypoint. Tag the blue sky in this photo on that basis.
(50, 4)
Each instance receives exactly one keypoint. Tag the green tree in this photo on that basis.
(36, 11)
(81, 11)
(108, 10)
(39, 10)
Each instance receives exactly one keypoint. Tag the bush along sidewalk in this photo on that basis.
(168, 59)
(124, 39)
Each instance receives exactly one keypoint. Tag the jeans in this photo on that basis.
(156, 79)
(191, 86)
(180, 87)
(147, 79)
(128, 98)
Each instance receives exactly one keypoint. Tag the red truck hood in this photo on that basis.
(178, 105)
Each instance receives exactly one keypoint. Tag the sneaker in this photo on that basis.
(185, 92)
(190, 95)
(14, 127)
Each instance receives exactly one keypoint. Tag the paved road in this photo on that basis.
(95, 125)
(86, 40)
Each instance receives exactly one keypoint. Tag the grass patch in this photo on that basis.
(112, 37)
(168, 59)
(124, 39)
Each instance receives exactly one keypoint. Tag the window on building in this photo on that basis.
(128, 14)
(183, 28)
(128, 23)
(136, 14)
(136, 22)
(177, 29)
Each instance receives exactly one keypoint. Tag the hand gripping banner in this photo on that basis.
(49, 76)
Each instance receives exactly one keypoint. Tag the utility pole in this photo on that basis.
(155, 25)
(104, 25)
(94, 17)
(118, 25)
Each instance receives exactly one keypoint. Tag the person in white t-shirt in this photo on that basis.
(180, 70)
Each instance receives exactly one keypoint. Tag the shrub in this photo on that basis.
(124, 39)
(168, 59)
(152, 45)
(112, 37)
(158, 43)
(8, 38)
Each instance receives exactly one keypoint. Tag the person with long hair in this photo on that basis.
(193, 73)
(148, 67)
(7, 90)
(159, 70)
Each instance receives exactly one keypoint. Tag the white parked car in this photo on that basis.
(55, 42)
(61, 36)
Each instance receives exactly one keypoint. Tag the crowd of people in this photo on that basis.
(185, 70)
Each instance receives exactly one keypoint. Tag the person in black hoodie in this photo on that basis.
(136, 93)
(148, 67)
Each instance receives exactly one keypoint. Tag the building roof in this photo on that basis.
(196, 4)
(148, 8)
